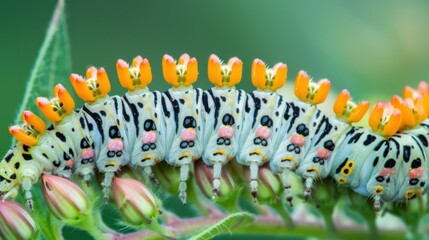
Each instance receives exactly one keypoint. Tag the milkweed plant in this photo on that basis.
(227, 202)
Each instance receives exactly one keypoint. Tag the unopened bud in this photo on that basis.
(15, 222)
(136, 203)
(168, 177)
(65, 199)
(204, 178)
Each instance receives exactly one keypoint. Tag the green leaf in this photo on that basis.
(53, 62)
(234, 220)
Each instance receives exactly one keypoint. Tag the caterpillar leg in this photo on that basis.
(26, 185)
(287, 185)
(254, 180)
(217, 170)
(107, 183)
(148, 172)
(308, 185)
(184, 175)
(378, 190)
(12, 193)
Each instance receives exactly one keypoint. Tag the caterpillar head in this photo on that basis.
(57, 107)
(269, 79)
(95, 84)
(183, 73)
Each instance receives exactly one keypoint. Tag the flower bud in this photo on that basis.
(269, 185)
(65, 199)
(167, 176)
(136, 203)
(204, 178)
(15, 222)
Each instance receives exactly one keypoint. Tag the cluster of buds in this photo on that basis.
(68, 202)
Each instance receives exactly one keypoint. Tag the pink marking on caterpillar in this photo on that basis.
(297, 140)
(189, 135)
(115, 145)
(226, 132)
(88, 153)
(263, 132)
(149, 137)
(416, 172)
(387, 172)
(323, 153)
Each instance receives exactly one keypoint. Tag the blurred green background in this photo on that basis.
(373, 48)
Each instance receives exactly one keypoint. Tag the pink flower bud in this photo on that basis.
(136, 203)
(65, 199)
(15, 222)
(204, 179)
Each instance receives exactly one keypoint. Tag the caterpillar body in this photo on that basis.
(387, 162)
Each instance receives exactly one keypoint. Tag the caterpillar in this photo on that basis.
(386, 162)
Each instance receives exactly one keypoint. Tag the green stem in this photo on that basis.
(278, 207)
(88, 225)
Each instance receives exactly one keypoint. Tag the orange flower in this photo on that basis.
(95, 85)
(268, 79)
(185, 72)
(385, 119)
(138, 75)
(307, 91)
(347, 109)
(224, 74)
(28, 133)
(59, 106)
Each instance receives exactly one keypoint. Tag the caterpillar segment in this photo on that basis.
(104, 123)
(71, 130)
(261, 119)
(35, 153)
(142, 115)
(387, 162)
(182, 107)
(223, 107)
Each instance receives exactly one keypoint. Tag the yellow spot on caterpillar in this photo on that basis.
(342, 180)
(409, 194)
(348, 168)
(256, 152)
(265, 159)
(312, 169)
(419, 191)
(287, 158)
(378, 190)
(229, 158)
(221, 152)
